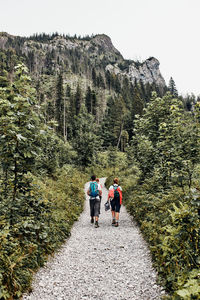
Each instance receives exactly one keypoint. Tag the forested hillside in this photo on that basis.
(71, 106)
(69, 71)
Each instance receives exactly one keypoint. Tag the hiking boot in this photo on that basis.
(96, 224)
(92, 219)
(113, 222)
(116, 224)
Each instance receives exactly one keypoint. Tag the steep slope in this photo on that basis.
(49, 54)
(72, 72)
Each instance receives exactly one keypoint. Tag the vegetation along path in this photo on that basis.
(99, 263)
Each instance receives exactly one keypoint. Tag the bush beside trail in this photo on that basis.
(171, 225)
(40, 230)
(162, 194)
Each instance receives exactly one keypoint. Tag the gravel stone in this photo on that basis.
(99, 263)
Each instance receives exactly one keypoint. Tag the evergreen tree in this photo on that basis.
(172, 87)
(137, 102)
(108, 79)
(88, 99)
(114, 122)
(94, 108)
(78, 99)
(59, 105)
(85, 139)
(100, 81)
(94, 77)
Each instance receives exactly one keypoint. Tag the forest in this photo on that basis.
(70, 118)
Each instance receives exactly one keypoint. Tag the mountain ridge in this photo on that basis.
(98, 50)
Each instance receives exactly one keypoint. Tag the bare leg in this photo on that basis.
(117, 216)
(113, 217)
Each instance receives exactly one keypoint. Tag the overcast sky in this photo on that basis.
(166, 29)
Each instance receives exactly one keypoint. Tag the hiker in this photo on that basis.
(100, 196)
(94, 191)
(115, 198)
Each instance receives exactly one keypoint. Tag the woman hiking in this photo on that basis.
(115, 197)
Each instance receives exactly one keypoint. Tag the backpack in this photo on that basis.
(94, 192)
(116, 193)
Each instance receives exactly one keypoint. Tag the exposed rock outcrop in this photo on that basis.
(97, 51)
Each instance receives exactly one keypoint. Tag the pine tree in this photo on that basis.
(85, 140)
(108, 79)
(88, 99)
(59, 105)
(94, 77)
(114, 122)
(78, 99)
(172, 87)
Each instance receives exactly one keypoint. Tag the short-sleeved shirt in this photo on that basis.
(111, 187)
(99, 186)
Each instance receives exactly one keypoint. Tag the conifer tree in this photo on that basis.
(78, 99)
(172, 87)
(59, 105)
(94, 77)
(85, 140)
(114, 122)
(108, 79)
(88, 99)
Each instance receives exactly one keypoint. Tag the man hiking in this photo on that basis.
(94, 191)
(115, 198)
(100, 196)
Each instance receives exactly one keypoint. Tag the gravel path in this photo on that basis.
(105, 263)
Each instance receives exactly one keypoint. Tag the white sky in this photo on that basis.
(166, 29)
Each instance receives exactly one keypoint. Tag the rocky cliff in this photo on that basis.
(78, 55)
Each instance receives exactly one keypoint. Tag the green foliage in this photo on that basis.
(85, 139)
(42, 226)
(171, 139)
(163, 167)
(172, 87)
(55, 153)
(35, 214)
(171, 227)
(19, 133)
(113, 124)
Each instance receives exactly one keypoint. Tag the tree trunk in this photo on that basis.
(64, 125)
(119, 139)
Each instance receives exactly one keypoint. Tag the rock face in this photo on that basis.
(148, 72)
(97, 52)
(105, 43)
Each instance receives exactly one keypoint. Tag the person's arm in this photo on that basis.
(100, 190)
(110, 188)
(88, 191)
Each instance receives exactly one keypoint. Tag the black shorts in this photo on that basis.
(115, 205)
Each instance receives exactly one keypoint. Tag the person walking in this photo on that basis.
(100, 196)
(94, 191)
(115, 198)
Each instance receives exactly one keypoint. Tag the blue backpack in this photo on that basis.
(94, 192)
